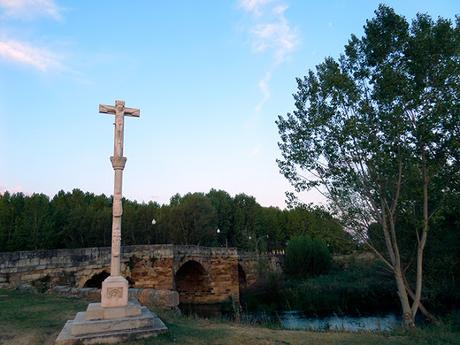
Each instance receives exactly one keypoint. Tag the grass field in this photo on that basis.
(27, 318)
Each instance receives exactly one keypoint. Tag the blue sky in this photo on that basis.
(210, 78)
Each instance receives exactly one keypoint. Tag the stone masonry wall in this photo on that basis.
(254, 265)
(149, 266)
(76, 266)
(221, 266)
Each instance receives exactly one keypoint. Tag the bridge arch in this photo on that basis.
(192, 282)
(96, 280)
(242, 281)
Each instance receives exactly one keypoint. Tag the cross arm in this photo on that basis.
(132, 112)
(110, 109)
(107, 109)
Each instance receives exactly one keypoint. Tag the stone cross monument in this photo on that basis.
(114, 319)
(115, 288)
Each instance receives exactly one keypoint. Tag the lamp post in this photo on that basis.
(155, 233)
(257, 239)
(226, 242)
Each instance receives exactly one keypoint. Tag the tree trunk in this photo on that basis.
(408, 319)
(421, 240)
(393, 251)
(422, 308)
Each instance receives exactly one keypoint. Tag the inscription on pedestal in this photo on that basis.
(114, 292)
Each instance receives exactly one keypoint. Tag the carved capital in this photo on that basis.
(118, 163)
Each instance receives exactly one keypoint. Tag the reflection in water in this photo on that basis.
(296, 320)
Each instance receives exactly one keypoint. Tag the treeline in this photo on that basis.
(77, 219)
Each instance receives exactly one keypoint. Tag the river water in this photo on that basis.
(297, 320)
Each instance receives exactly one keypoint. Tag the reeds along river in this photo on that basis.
(300, 321)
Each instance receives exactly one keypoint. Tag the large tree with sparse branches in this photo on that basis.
(377, 131)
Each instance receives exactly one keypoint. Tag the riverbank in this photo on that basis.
(359, 289)
(29, 318)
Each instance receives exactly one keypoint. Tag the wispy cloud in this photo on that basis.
(264, 88)
(276, 35)
(28, 9)
(271, 33)
(254, 6)
(25, 53)
(22, 51)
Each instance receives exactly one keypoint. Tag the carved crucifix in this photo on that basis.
(115, 281)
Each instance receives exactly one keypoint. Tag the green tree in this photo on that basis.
(137, 227)
(11, 209)
(318, 223)
(271, 228)
(306, 257)
(377, 132)
(190, 220)
(223, 204)
(246, 220)
(72, 218)
(100, 220)
(35, 227)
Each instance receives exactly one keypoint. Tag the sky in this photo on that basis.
(209, 77)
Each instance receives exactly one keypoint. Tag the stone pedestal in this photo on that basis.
(96, 312)
(114, 292)
(99, 325)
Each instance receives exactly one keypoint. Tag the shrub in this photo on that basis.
(306, 256)
(359, 289)
(266, 295)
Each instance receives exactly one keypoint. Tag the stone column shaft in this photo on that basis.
(117, 212)
(114, 291)
(118, 164)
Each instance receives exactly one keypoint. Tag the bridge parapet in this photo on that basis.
(205, 274)
(254, 264)
(70, 266)
(205, 251)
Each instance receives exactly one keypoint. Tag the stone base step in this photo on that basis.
(96, 312)
(82, 331)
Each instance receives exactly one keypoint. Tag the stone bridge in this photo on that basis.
(201, 275)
